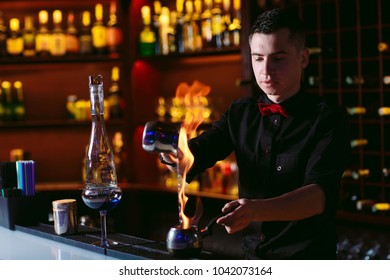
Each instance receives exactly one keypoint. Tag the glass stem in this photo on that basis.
(103, 223)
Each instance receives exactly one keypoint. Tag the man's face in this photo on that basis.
(277, 64)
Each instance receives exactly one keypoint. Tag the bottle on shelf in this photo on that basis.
(356, 174)
(235, 26)
(171, 31)
(72, 36)
(386, 80)
(85, 35)
(3, 36)
(15, 39)
(114, 95)
(356, 110)
(164, 30)
(383, 47)
(217, 24)
(197, 19)
(383, 111)
(226, 41)
(207, 33)
(315, 50)
(18, 100)
(42, 39)
(114, 32)
(7, 100)
(147, 37)
(188, 27)
(358, 142)
(29, 33)
(99, 31)
(179, 41)
(58, 37)
(354, 80)
(156, 26)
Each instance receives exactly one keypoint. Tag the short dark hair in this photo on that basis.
(272, 20)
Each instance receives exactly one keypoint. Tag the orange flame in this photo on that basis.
(193, 118)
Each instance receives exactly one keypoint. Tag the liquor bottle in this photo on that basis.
(29, 33)
(72, 36)
(3, 36)
(356, 174)
(386, 80)
(18, 100)
(114, 32)
(100, 163)
(114, 96)
(226, 23)
(42, 39)
(189, 27)
(217, 24)
(197, 19)
(356, 110)
(383, 47)
(156, 26)
(85, 36)
(7, 100)
(147, 37)
(164, 30)
(383, 111)
(99, 31)
(358, 142)
(354, 80)
(235, 26)
(172, 31)
(15, 39)
(207, 33)
(58, 37)
(179, 41)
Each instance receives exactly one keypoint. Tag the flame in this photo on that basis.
(192, 97)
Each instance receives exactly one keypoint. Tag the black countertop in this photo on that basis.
(129, 247)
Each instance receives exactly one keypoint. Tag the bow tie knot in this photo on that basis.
(269, 109)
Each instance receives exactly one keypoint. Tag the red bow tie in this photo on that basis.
(269, 109)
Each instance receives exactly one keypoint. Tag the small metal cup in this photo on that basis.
(65, 216)
(161, 137)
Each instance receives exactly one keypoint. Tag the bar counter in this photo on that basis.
(41, 243)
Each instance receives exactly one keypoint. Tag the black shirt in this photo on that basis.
(276, 155)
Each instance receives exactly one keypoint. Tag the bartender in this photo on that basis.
(291, 149)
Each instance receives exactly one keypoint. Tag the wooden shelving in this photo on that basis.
(348, 32)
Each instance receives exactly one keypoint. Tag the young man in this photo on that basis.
(291, 150)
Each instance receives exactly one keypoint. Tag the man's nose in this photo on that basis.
(267, 68)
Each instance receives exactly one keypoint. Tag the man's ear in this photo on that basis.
(304, 57)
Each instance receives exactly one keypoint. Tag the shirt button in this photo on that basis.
(262, 237)
(279, 168)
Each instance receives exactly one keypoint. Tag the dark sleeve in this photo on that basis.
(209, 147)
(330, 155)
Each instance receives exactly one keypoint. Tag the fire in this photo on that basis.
(192, 97)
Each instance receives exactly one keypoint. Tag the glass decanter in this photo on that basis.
(101, 190)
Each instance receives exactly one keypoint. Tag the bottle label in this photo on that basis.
(58, 46)
(15, 46)
(99, 36)
(42, 42)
